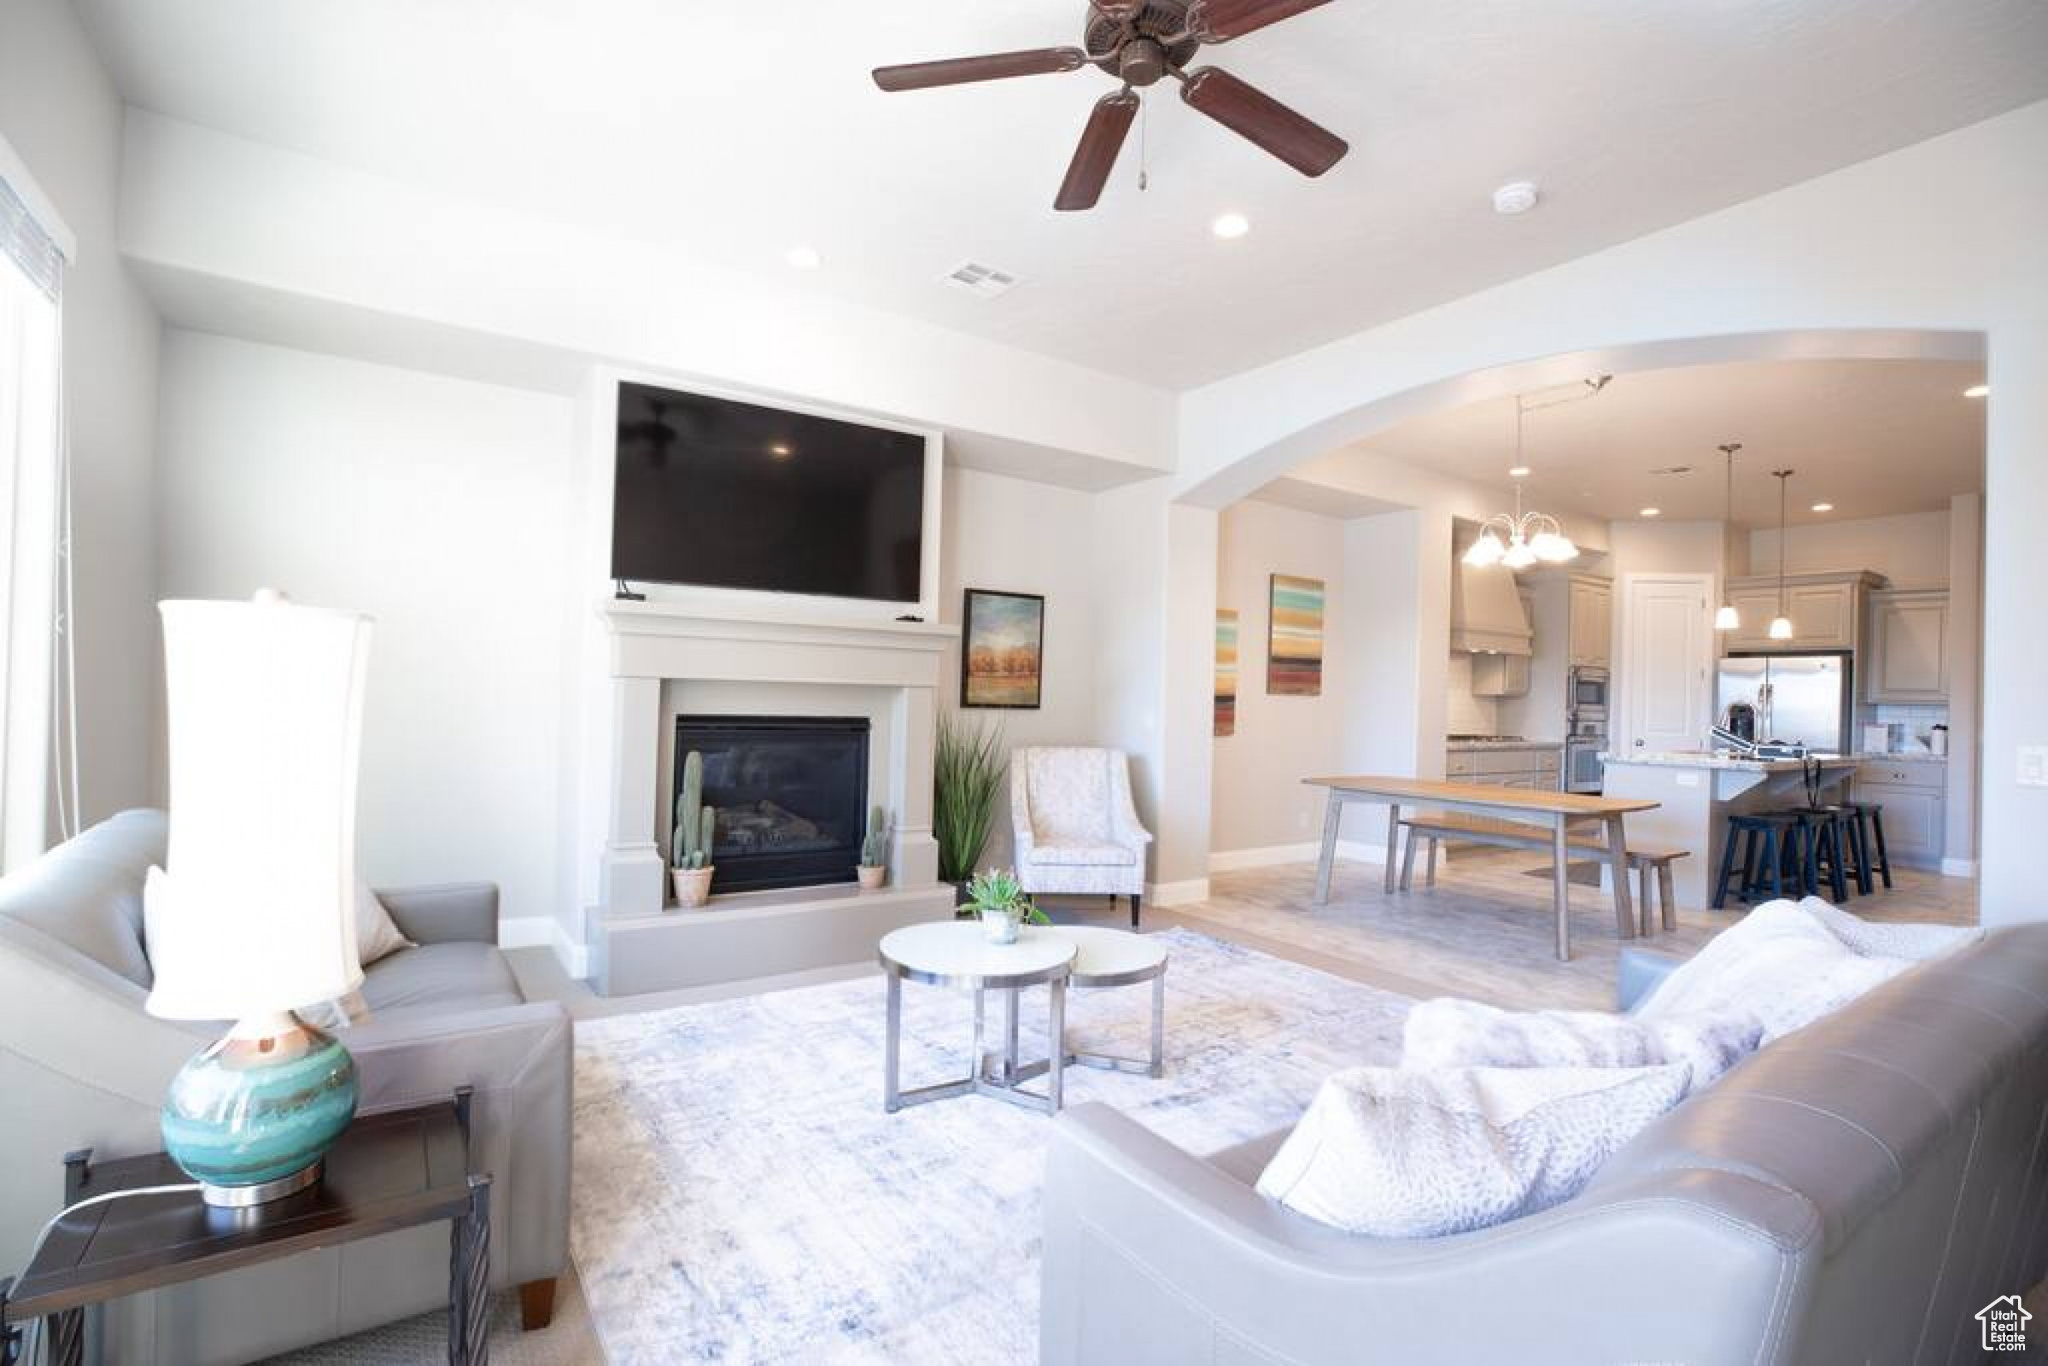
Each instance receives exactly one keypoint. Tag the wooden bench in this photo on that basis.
(1642, 860)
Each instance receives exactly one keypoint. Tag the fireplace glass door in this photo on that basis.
(790, 795)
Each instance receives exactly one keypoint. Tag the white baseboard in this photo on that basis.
(574, 957)
(1352, 851)
(1182, 893)
(1959, 867)
(1230, 860)
(544, 932)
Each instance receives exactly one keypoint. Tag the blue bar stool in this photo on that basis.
(1770, 840)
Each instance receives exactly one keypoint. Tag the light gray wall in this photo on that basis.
(61, 113)
(1259, 801)
(1012, 535)
(437, 506)
(1911, 549)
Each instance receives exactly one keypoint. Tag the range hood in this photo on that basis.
(1486, 609)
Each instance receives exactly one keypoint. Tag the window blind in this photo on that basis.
(23, 241)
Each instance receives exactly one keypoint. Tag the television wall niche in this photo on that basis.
(716, 493)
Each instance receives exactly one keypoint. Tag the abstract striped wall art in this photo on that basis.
(1294, 647)
(1226, 671)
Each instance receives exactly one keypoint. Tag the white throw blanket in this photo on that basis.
(1790, 963)
(1448, 1032)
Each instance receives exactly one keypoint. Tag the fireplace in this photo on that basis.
(791, 793)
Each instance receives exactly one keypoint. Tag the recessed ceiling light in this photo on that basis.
(803, 258)
(1823, 507)
(1519, 472)
(1977, 391)
(1653, 512)
(780, 451)
(1230, 225)
(1517, 196)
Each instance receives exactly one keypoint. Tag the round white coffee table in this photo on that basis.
(957, 953)
(1119, 958)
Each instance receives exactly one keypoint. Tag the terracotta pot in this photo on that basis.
(871, 879)
(693, 886)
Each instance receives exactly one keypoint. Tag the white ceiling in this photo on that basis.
(1873, 437)
(735, 131)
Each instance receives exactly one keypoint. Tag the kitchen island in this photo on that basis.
(1697, 791)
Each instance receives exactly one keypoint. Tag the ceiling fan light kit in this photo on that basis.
(1140, 43)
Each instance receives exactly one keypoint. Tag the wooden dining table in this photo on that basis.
(1554, 811)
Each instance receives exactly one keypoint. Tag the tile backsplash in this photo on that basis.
(1918, 721)
(1466, 714)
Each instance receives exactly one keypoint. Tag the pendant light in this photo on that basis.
(1781, 625)
(1727, 618)
(1526, 538)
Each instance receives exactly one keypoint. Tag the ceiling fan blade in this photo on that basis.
(1259, 118)
(997, 66)
(1095, 158)
(1221, 20)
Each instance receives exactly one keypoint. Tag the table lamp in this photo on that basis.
(254, 916)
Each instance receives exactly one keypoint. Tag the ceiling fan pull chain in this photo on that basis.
(1144, 149)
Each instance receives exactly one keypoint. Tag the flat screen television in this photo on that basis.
(717, 493)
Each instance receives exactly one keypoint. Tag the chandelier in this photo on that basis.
(1527, 538)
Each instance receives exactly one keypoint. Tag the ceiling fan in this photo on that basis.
(1140, 42)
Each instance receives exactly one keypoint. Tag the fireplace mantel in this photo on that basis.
(652, 643)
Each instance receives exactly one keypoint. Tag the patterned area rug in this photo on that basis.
(742, 1197)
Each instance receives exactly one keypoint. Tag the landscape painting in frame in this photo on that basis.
(1294, 649)
(1002, 653)
(1226, 671)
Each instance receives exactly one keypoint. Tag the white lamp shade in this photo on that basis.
(1781, 628)
(1727, 619)
(1485, 551)
(256, 911)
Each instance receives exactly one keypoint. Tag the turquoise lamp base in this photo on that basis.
(250, 1117)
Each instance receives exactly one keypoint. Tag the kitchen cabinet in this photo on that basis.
(1534, 768)
(1907, 656)
(1915, 801)
(1500, 675)
(1826, 610)
(1592, 623)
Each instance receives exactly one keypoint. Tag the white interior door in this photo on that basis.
(1669, 660)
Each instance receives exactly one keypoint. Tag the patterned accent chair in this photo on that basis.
(1074, 825)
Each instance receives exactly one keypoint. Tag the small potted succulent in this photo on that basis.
(998, 899)
(874, 852)
(696, 829)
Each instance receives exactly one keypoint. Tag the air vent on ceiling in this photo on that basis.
(1673, 469)
(986, 281)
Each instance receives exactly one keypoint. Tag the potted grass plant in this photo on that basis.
(997, 899)
(968, 774)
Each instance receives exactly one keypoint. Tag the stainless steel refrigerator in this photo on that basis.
(1799, 698)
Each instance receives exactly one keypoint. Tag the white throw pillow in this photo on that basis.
(376, 935)
(1447, 1033)
(1780, 962)
(1421, 1154)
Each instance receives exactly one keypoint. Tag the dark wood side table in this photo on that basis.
(386, 1172)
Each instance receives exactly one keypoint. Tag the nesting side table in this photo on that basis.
(956, 953)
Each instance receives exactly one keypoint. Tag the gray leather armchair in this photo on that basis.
(82, 1065)
(1856, 1192)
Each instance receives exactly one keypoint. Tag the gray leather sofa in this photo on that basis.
(82, 1065)
(1856, 1192)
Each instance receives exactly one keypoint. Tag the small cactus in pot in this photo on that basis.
(874, 852)
(696, 831)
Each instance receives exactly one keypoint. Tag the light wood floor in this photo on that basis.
(1485, 931)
